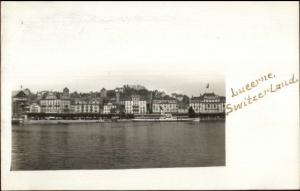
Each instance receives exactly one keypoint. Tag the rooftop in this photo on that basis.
(170, 101)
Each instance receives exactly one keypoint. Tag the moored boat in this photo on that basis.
(164, 118)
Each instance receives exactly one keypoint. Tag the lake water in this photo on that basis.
(118, 145)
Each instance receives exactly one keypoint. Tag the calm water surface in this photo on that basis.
(118, 145)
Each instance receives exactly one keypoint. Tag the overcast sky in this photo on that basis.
(174, 47)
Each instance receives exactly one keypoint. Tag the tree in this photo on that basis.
(192, 112)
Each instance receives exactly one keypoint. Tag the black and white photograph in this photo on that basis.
(126, 129)
(100, 91)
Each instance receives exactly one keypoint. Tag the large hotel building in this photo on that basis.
(164, 106)
(135, 105)
(208, 103)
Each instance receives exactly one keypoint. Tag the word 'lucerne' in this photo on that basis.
(251, 85)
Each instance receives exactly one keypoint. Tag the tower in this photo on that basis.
(65, 92)
(103, 93)
(117, 96)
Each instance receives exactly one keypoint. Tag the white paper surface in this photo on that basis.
(250, 39)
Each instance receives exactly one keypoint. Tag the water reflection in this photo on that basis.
(118, 145)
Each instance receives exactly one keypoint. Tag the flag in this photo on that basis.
(207, 86)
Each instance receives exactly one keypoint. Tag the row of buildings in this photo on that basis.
(23, 101)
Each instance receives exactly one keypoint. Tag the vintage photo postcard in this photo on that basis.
(149, 95)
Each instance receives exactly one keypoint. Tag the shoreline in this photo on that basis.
(62, 121)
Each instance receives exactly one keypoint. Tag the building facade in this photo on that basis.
(109, 108)
(19, 102)
(164, 106)
(135, 105)
(86, 106)
(208, 103)
(51, 103)
(182, 110)
(35, 108)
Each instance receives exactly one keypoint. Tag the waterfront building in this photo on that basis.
(182, 110)
(109, 108)
(35, 108)
(76, 107)
(19, 102)
(50, 103)
(196, 104)
(164, 106)
(208, 103)
(55, 103)
(135, 105)
(183, 107)
(86, 105)
(91, 108)
(65, 105)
